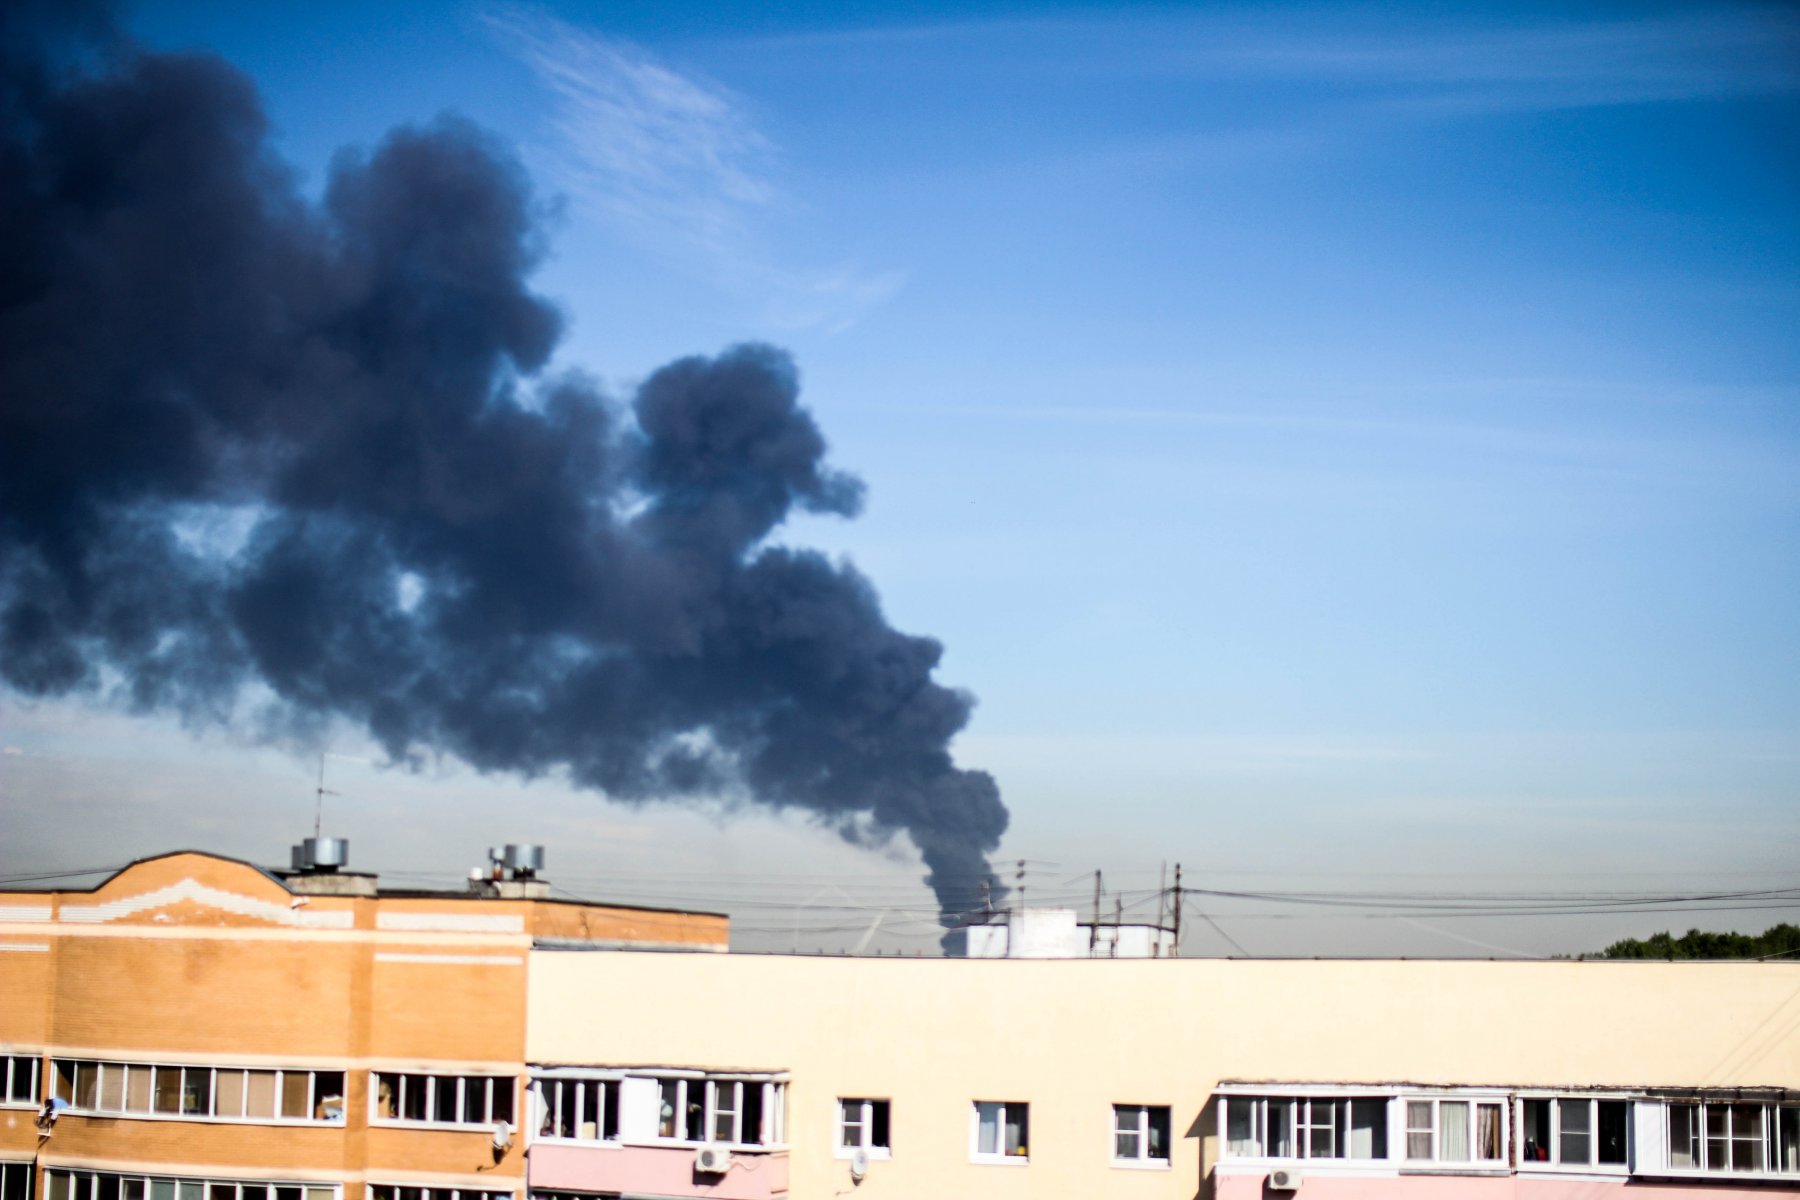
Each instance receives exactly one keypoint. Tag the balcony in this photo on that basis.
(754, 1174)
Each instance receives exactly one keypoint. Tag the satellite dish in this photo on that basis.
(502, 1136)
(859, 1165)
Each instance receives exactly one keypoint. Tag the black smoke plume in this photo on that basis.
(260, 451)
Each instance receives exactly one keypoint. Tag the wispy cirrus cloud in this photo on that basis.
(1566, 63)
(674, 162)
(1372, 57)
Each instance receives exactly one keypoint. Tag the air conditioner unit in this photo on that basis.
(712, 1160)
(1284, 1181)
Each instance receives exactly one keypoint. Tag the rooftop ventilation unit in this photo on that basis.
(321, 854)
(523, 861)
(712, 1160)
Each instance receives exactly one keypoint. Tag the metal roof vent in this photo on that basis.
(321, 854)
(524, 861)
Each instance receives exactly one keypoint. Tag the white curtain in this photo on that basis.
(989, 1142)
(1454, 1146)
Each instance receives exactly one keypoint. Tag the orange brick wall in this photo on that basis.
(602, 923)
(440, 1012)
(24, 995)
(200, 998)
(193, 959)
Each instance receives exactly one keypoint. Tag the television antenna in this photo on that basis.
(319, 794)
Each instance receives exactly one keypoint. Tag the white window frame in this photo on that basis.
(425, 1191)
(552, 1090)
(1140, 1117)
(712, 1089)
(1473, 1100)
(1003, 1109)
(26, 1169)
(1555, 1164)
(201, 1075)
(1770, 1139)
(81, 1183)
(678, 1110)
(1300, 1104)
(725, 1107)
(435, 1081)
(9, 1078)
(865, 1126)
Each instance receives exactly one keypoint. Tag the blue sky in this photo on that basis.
(1335, 443)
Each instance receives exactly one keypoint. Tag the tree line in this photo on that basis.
(1777, 940)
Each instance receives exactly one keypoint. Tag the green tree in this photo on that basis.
(1777, 940)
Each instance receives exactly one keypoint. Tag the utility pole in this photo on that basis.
(1176, 952)
(1094, 929)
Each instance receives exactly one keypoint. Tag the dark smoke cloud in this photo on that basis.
(252, 446)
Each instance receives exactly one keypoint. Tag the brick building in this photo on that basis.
(210, 1030)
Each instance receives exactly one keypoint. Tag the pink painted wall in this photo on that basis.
(661, 1170)
(1471, 1187)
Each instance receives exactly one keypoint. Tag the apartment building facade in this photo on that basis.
(1334, 1079)
(208, 1030)
(204, 1029)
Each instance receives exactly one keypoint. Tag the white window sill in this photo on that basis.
(1425, 1168)
(595, 1143)
(1385, 1165)
(875, 1153)
(435, 1126)
(1001, 1160)
(201, 1118)
(1700, 1173)
(1141, 1164)
(684, 1144)
(1609, 1171)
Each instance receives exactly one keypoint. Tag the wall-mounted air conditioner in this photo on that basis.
(712, 1160)
(1284, 1181)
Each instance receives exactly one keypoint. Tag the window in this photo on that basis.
(1255, 1130)
(863, 1125)
(106, 1185)
(1326, 1127)
(1455, 1131)
(679, 1118)
(398, 1191)
(443, 1099)
(19, 1079)
(1574, 1132)
(727, 1111)
(584, 1109)
(15, 1180)
(1368, 1128)
(739, 1112)
(1002, 1130)
(1735, 1137)
(1141, 1134)
(209, 1093)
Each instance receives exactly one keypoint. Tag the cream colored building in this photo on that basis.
(1432, 1073)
